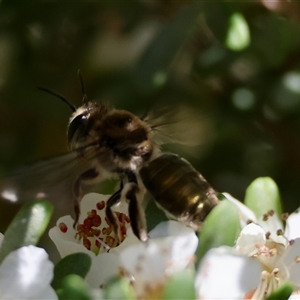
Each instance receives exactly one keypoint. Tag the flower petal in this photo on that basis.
(180, 239)
(292, 261)
(65, 241)
(251, 238)
(170, 249)
(224, 274)
(273, 226)
(103, 267)
(292, 230)
(246, 214)
(26, 273)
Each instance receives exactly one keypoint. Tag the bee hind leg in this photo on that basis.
(77, 190)
(136, 212)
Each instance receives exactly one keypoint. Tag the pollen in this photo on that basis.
(96, 233)
(265, 217)
(100, 205)
(63, 227)
(279, 232)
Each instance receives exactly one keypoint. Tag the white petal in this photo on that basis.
(272, 225)
(251, 238)
(181, 241)
(130, 240)
(96, 294)
(65, 241)
(146, 263)
(151, 263)
(246, 214)
(292, 261)
(104, 266)
(224, 274)
(292, 230)
(90, 200)
(25, 274)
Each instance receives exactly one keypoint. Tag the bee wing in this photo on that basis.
(180, 124)
(51, 179)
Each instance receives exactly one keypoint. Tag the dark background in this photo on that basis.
(140, 53)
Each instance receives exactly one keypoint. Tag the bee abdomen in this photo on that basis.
(181, 191)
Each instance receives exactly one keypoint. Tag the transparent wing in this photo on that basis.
(180, 124)
(51, 179)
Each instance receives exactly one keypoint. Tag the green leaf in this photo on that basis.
(180, 286)
(282, 293)
(27, 226)
(221, 227)
(217, 15)
(118, 288)
(154, 215)
(77, 263)
(73, 287)
(238, 35)
(263, 195)
(151, 71)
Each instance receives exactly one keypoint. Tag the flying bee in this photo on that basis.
(105, 143)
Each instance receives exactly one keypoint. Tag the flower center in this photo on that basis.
(96, 233)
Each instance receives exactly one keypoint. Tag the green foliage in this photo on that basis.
(263, 195)
(151, 71)
(73, 287)
(180, 286)
(118, 288)
(154, 215)
(238, 36)
(282, 293)
(140, 52)
(221, 227)
(77, 264)
(27, 227)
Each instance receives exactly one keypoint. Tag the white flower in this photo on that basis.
(169, 250)
(26, 273)
(226, 274)
(94, 236)
(268, 220)
(265, 242)
(280, 262)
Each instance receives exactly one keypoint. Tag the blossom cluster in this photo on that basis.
(243, 251)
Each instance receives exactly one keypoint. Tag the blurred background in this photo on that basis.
(236, 64)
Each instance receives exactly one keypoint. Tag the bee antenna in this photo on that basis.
(58, 96)
(84, 95)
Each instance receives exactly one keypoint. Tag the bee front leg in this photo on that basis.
(136, 212)
(77, 190)
(112, 201)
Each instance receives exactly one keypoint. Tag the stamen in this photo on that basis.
(279, 232)
(284, 216)
(269, 282)
(102, 243)
(265, 217)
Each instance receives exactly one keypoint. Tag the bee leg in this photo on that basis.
(112, 201)
(77, 191)
(136, 212)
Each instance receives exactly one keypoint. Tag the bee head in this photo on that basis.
(82, 129)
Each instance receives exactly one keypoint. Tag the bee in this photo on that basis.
(106, 142)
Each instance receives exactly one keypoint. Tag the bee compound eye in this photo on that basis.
(77, 125)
